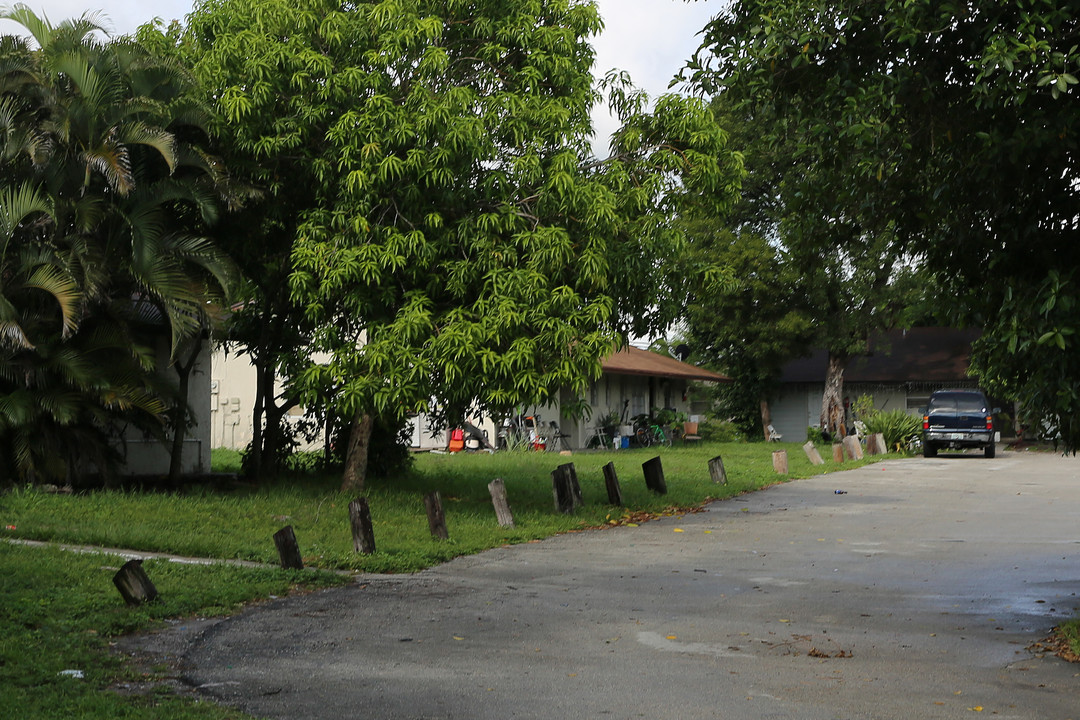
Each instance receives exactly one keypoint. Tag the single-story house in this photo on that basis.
(632, 382)
(634, 379)
(901, 370)
(639, 381)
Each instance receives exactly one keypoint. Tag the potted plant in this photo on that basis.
(609, 422)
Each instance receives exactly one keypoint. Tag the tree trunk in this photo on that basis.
(180, 411)
(766, 419)
(356, 458)
(254, 459)
(832, 402)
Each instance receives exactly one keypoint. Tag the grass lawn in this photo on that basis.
(239, 522)
(59, 609)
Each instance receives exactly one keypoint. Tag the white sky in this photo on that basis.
(651, 39)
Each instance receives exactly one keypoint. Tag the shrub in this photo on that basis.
(900, 429)
(719, 431)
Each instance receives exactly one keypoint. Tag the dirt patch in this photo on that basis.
(156, 657)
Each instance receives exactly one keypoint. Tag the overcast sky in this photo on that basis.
(651, 39)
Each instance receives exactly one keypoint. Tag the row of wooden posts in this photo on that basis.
(565, 488)
(136, 587)
(850, 448)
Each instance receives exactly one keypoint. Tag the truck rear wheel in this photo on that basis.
(990, 451)
(929, 450)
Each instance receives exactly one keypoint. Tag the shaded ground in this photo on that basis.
(914, 594)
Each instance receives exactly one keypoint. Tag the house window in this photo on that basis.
(916, 404)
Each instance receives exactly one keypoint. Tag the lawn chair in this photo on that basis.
(773, 435)
(556, 438)
(690, 432)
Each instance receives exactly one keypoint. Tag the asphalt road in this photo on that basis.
(915, 594)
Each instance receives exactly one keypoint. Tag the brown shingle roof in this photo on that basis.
(631, 361)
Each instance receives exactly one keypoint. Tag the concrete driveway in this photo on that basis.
(914, 594)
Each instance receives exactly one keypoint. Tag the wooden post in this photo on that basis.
(363, 535)
(435, 517)
(779, 462)
(560, 487)
(654, 475)
(134, 584)
(838, 453)
(813, 454)
(717, 472)
(288, 549)
(575, 486)
(852, 448)
(497, 489)
(611, 481)
(875, 444)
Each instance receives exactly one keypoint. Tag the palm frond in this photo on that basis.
(63, 289)
(38, 27)
(161, 140)
(112, 161)
(17, 204)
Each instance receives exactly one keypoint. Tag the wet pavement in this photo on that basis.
(914, 594)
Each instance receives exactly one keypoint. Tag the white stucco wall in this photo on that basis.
(231, 399)
(798, 406)
(148, 456)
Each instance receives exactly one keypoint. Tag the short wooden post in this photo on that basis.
(812, 454)
(435, 517)
(134, 584)
(717, 471)
(560, 487)
(288, 549)
(838, 453)
(852, 448)
(575, 486)
(497, 489)
(363, 534)
(875, 444)
(611, 482)
(654, 475)
(779, 462)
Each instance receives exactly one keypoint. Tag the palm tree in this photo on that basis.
(104, 200)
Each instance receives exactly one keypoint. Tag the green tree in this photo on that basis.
(951, 125)
(802, 269)
(749, 319)
(454, 238)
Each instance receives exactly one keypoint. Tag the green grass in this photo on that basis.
(240, 522)
(59, 609)
(1069, 631)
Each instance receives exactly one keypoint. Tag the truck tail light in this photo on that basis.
(989, 422)
(925, 422)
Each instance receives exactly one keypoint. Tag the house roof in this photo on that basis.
(632, 361)
(916, 355)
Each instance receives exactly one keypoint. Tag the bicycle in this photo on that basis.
(647, 434)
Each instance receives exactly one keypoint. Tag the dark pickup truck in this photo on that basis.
(959, 419)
